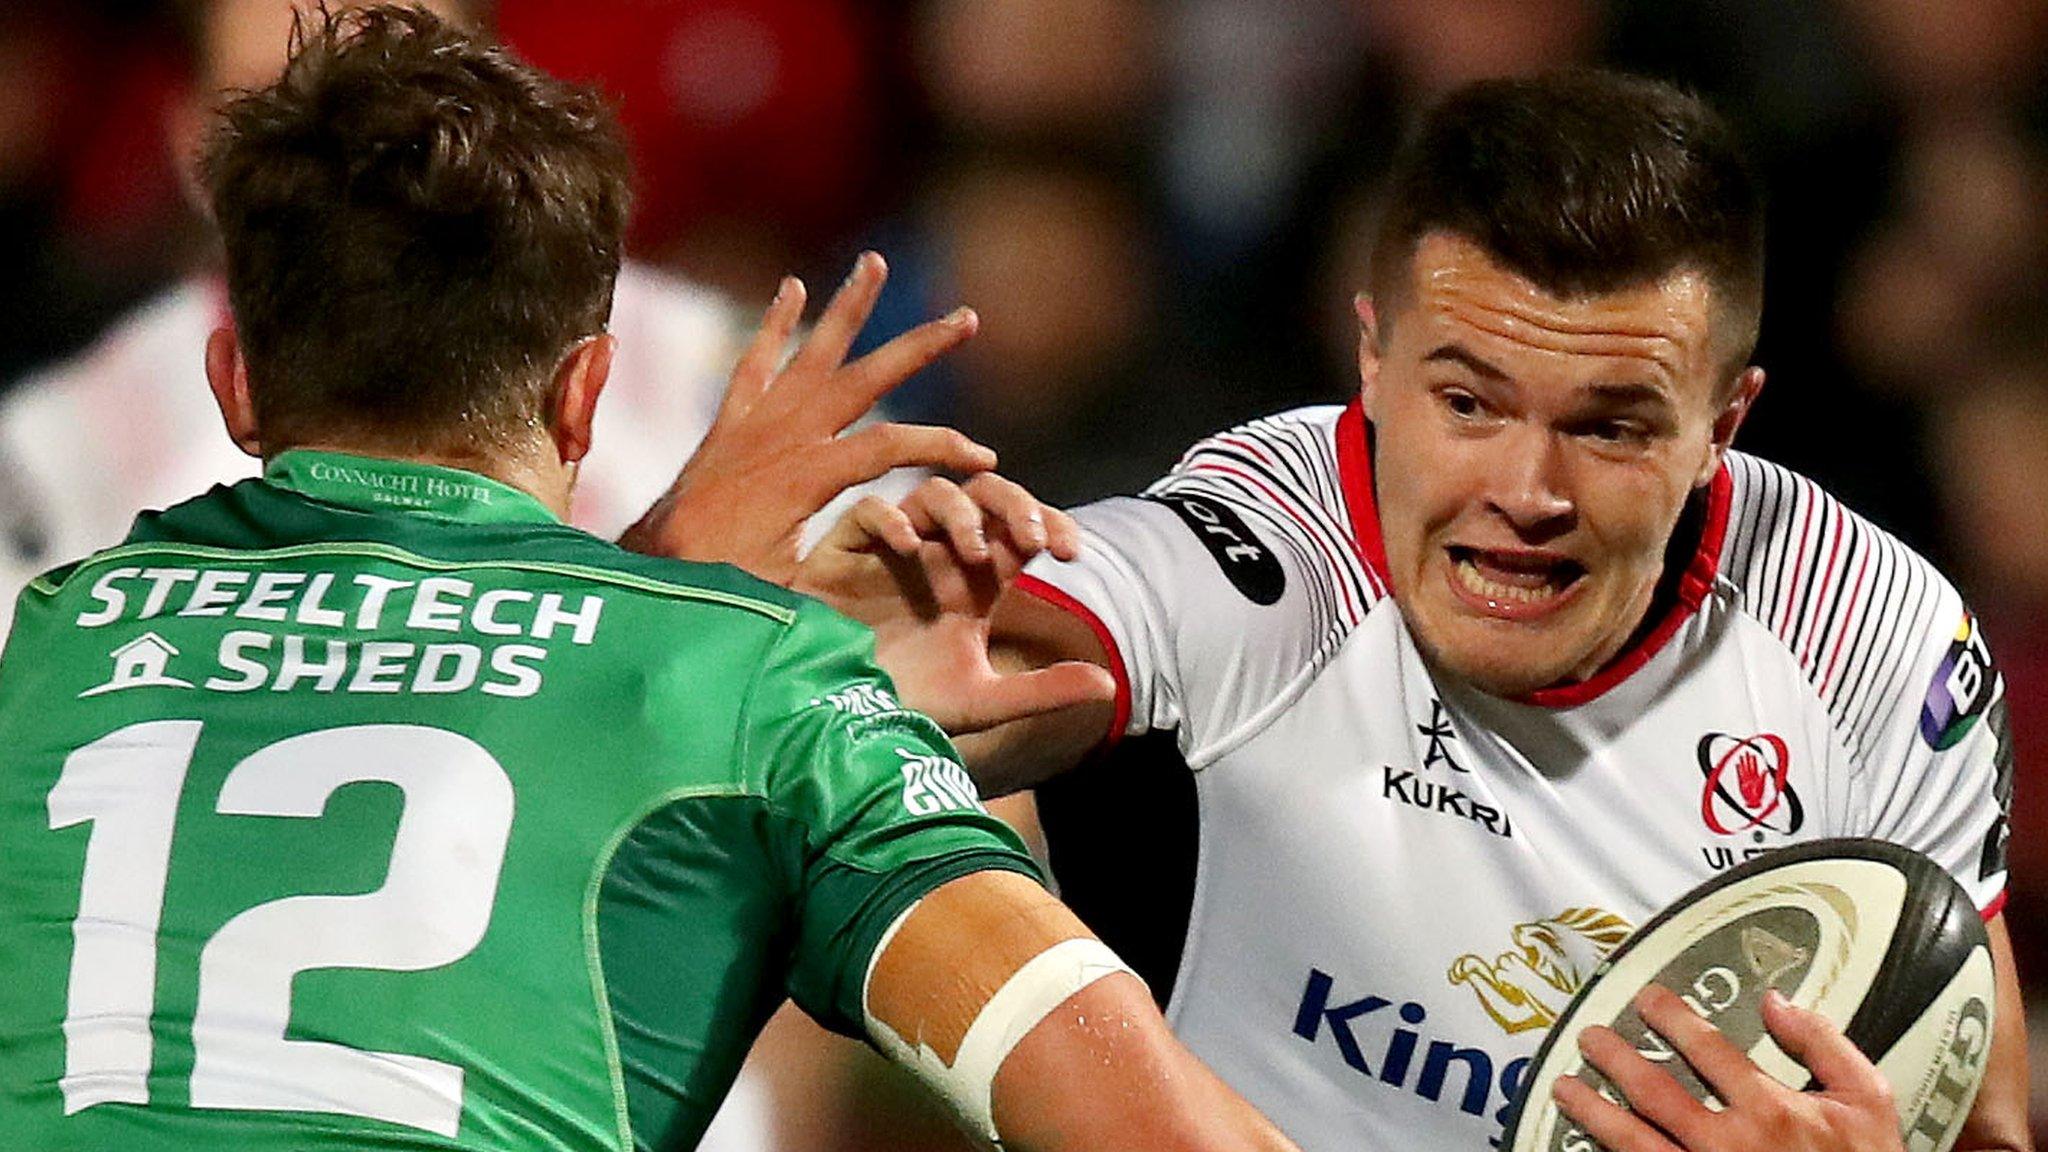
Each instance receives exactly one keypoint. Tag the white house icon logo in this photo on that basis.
(140, 664)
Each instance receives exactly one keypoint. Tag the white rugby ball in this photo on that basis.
(1876, 938)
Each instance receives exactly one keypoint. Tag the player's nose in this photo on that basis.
(1528, 484)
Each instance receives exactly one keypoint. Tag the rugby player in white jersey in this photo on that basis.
(1478, 672)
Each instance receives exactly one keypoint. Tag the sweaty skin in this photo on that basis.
(1533, 455)
(1102, 1070)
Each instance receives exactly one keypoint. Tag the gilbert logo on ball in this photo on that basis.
(1875, 937)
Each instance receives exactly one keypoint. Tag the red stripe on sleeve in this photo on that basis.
(1990, 911)
(1058, 598)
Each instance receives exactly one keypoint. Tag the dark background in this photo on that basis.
(1161, 211)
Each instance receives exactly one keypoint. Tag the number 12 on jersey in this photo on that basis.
(432, 910)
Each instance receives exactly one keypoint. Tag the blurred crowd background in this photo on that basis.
(1162, 210)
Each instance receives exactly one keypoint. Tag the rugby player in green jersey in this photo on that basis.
(368, 806)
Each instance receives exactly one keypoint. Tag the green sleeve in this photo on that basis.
(884, 809)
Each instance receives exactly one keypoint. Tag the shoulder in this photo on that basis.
(1278, 481)
(1230, 582)
(1862, 614)
(253, 518)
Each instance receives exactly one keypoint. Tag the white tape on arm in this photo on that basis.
(1042, 984)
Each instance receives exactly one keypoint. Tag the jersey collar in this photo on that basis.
(1689, 590)
(375, 484)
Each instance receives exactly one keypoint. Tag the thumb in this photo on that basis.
(1067, 684)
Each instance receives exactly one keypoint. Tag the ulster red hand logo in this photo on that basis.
(1748, 784)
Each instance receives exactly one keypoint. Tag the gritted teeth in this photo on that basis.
(1515, 578)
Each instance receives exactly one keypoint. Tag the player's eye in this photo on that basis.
(1461, 403)
(1617, 432)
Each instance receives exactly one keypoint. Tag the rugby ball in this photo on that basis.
(1875, 937)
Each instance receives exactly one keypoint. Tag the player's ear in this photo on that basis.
(577, 384)
(1734, 410)
(1368, 351)
(228, 375)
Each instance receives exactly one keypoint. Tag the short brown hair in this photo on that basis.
(418, 226)
(1582, 182)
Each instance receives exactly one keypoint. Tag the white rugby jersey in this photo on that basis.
(1398, 882)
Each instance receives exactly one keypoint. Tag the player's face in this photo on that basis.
(1533, 455)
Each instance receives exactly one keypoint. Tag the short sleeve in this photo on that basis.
(1216, 603)
(1940, 780)
(886, 812)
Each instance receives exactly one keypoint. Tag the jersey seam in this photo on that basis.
(413, 559)
(744, 725)
(1290, 692)
(593, 951)
(812, 842)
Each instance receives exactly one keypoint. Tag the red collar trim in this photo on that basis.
(1694, 585)
(1354, 475)
(1354, 471)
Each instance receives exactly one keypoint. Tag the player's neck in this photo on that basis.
(547, 481)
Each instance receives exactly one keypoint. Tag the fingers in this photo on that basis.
(843, 316)
(1808, 1038)
(756, 367)
(940, 509)
(988, 523)
(1062, 534)
(1007, 522)
(1014, 512)
(1614, 1127)
(1652, 1093)
(1066, 684)
(873, 520)
(1721, 1065)
(875, 375)
(861, 456)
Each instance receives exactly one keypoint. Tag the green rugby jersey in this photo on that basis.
(367, 806)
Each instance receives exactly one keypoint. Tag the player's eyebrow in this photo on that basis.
(1454, 354)
(1610, 396)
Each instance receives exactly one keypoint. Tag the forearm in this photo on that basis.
(1037, 1035)
(1103, 1072)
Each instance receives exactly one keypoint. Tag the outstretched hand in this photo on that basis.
(926, 575)
(775, 455)
(1852, 1112)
